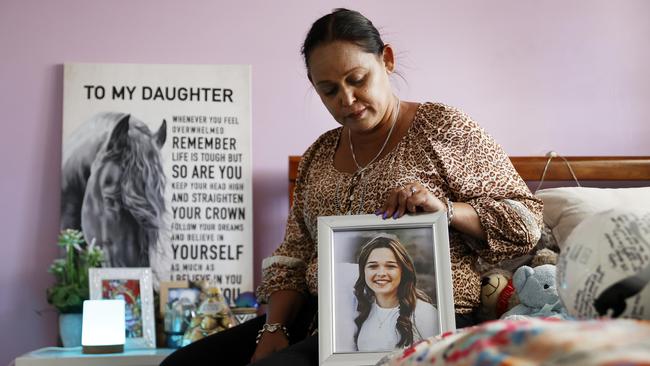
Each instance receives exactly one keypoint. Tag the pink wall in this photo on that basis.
(568, 75)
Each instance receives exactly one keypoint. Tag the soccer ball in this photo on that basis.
(605, 269)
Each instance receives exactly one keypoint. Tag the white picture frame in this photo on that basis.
(134, 285)
(341, 240)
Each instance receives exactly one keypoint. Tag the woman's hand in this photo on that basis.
(414, 196)
(270, 343)
(410, 198)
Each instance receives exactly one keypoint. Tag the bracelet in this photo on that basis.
(450, 211)
(271, 328)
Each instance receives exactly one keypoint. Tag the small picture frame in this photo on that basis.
(370, 269)
(171, 291)
(134, 286)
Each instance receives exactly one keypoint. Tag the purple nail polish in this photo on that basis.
(395, 215)
(385, 215)
(378, 212)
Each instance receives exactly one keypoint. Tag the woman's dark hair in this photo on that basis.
(407, 292)
(342, 25)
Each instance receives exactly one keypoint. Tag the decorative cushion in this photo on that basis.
(566, 207)
(605, 269)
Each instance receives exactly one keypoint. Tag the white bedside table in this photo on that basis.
(59, 356)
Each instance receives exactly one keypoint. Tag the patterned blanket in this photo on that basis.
(534, 341)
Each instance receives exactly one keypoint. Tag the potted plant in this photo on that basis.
(71, 288)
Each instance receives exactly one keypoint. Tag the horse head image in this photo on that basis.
(113, 187)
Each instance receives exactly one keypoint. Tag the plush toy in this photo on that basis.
(497, 290)
(537, 293)
(544, 256)
(497, 294)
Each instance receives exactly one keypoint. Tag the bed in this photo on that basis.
(569, 206)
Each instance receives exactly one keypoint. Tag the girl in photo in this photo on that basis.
(392, 311)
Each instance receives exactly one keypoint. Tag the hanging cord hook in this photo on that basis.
(551, 155)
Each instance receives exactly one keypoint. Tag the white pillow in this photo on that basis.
(566, 207)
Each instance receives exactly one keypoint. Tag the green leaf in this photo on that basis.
(71, 272)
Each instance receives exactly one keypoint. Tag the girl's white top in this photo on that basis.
(379, 333)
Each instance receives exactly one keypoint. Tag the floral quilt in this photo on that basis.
(534, 341)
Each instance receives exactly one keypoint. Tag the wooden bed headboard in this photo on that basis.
(586, 168)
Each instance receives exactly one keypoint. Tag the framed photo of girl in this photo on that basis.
(383, 285)
(134, 286)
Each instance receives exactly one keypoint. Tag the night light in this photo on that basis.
(103, 328)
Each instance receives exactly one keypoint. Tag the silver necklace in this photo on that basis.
(361, 170)
(388, 315)
(390, 132)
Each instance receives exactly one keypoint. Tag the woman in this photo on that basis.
(392, 311)
(388, 157)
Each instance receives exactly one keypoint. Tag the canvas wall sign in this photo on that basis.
(156, 168)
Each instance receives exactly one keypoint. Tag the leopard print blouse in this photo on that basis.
(445, 151)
